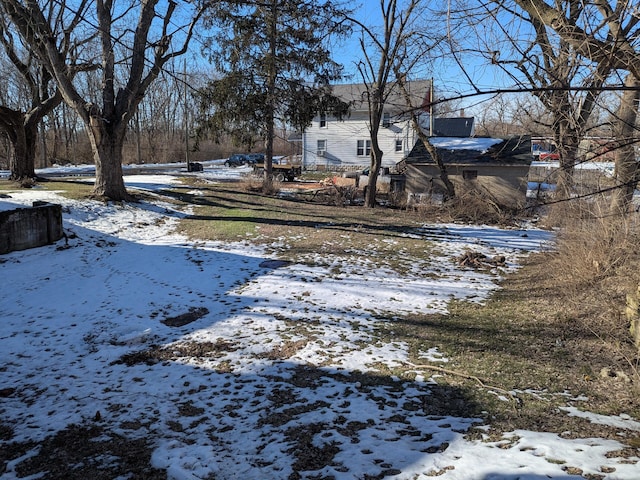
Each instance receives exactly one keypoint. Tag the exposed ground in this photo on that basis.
(513, 361)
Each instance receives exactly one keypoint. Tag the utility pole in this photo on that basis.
(431, 108)
(186, 119)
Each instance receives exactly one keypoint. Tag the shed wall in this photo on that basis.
(505, 184)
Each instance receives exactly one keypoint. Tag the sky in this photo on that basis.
(278, 348)
(450, 82)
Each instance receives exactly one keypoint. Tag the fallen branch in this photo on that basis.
(480, 382)
(480, 260)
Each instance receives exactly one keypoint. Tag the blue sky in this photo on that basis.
(449, 79)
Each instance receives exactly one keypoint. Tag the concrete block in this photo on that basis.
(24, 228)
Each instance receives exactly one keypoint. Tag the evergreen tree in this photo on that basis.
(275, 66)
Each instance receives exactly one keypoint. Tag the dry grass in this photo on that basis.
(300, 223)
(78, 190)
(593, 244)
(573, 295)
(529, 340)
(471, 206)
(257, 184)
(554, 327)
(595, 266)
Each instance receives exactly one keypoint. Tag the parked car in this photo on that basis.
(254, 158)
(549, 156)
(236, 160)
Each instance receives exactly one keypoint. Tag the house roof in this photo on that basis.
(356, 95)
(475, 151)
(453, 127)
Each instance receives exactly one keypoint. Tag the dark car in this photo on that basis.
(236, 160)
(254, 158)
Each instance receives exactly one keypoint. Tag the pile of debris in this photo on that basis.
(480, 260)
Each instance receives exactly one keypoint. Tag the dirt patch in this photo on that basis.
(308, 454)
(186, 318)
(156, 354)
(284, 351)
(87, 451)
(274, 264)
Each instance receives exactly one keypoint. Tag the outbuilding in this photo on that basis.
(495, 167)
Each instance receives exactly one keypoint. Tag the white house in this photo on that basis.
(332, 144)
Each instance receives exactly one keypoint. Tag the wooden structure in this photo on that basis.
(497, 168)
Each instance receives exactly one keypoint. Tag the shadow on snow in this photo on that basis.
(95, 362)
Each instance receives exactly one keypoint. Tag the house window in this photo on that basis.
(321, 148)
(469, 174)
(364, 148)
(323, 120)
(398, 145)
(386, 120)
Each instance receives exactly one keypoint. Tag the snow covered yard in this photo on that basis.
(192, 360)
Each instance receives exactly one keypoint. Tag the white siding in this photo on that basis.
(341, 142)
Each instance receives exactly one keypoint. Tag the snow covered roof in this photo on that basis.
(475, 150)
(472, 143)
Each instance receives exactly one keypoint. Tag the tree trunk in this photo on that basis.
(23, 136)
(566, 139)
(267, 185)
(567, 150)
(22, 164)
(138, 137)
(626, 172)
(376, 112)
(444, 174)
(106, 144)
(268, 160)
(374, 170)
(43, 145)
(415, 122)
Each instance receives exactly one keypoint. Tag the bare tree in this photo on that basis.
(152, 38)
(536, 58)
(425, 139)
(411, 55)
(508, 114)
(607, 33)
(626, 134)
(385, 53)
(20, 120)
(159, 127)
(65, 141)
